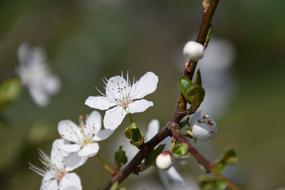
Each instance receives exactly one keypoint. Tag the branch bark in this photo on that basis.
(171, 129)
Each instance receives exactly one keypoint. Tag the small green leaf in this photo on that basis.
(149, 160)
(180, 149)
(133, 133)
(207, 183)
(9, 91)
(120, 157)
(198, 78)
(229, 158)
(209, 35)
(193, 93)
(184, 123)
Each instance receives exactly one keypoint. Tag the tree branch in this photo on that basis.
(171, 126)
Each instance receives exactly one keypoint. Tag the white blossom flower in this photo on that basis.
(123, 97)
(83, 138)
(35, 75)
(193, 50)
(204, 127)
(57, 172)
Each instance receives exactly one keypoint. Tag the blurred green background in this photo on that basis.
(87, 40)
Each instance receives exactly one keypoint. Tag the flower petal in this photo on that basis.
(51, 84)
(69, 131)
(89, 150)
(67, 146)
(147, 84)
(114, 117)
(139, 106)
(66, 159)
(174, 175)
(117, 88)
(49, 182)
(153, 128)
(102, 135)
(73, 161)
(93, 123)
(39, 96)
(70, 182)
(99, 102)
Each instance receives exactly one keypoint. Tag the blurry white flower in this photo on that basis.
(217, 76)
(123, 97)
(193, 50)
(204, 127)
(83, 138)
(57, 170)
(35, 75)
(163, 160)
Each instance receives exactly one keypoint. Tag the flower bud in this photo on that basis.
(193, 50)
(163, 160)
(204, 128)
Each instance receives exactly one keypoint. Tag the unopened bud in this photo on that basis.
(164, 160)
(204, 128)
(193, 50)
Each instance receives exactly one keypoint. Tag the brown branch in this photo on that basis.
(166, 131)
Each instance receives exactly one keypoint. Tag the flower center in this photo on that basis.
(60, 174)
(87, 140)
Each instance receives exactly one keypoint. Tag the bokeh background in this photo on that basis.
(87, 40)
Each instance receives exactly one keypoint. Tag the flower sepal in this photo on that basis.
(133, 133)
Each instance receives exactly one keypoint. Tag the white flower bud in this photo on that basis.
(163, 160)
(193, 50)
(204, 128)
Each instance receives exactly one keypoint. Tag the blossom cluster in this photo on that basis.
(122, 97)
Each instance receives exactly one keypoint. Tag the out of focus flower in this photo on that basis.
(83, 138)
(123, 97)
(35, 75)
(57, 172)
(193, 50)
(204, 127)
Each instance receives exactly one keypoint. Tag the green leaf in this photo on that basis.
(229, 158)
(133, 133)
(180, 149)
(198, 78)
(120, 157)
(9, 91)
(193, 93)
(149, 160)
(184, 123)
(207, 183)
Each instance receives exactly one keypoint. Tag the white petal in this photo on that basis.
(139, 106)
(64, 159)
(147, 84)
(102, 135)
(99, 102)
(194, 118)
(174, 175)
(114, 117)
(24, 54)
(73, 161)
(70, 182)
(57, 155)
(39, 96)
(67, 146)
(153, 128)
(117, 88)
(49, 182)
(89, 150)
(93, 123)
(51, 84)
(69, 131)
